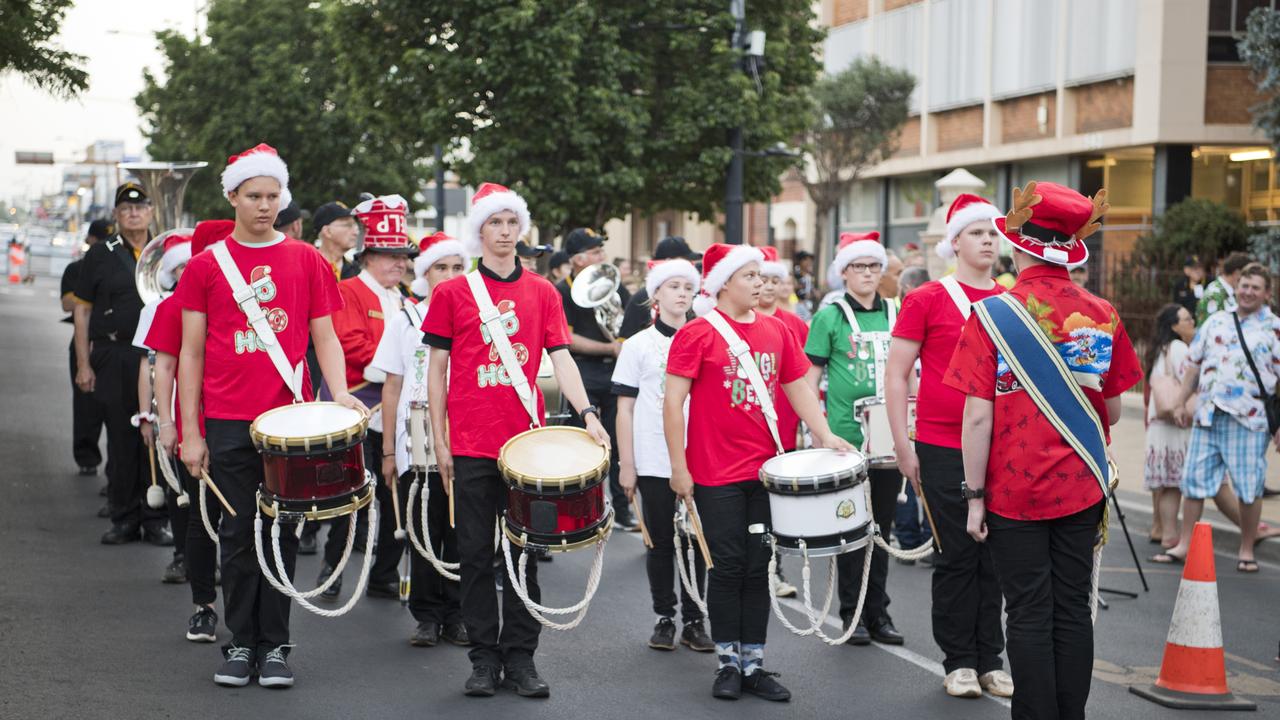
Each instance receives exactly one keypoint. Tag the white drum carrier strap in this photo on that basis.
(952, 286)
(248, 302)
(879, 340)
(739, 349)
(491, 319)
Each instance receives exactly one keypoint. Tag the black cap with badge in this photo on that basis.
(526, 250)
(674, 246)
(327, 213)
(581, 240)
(130, 192)
(287, 215)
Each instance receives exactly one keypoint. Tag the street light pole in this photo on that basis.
(733, 183)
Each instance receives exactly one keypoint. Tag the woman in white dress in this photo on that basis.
(1166, 440)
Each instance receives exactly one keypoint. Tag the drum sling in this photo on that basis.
(952, 286)
(247, 300)
(491, 321)
(879, 341)
(742, 351)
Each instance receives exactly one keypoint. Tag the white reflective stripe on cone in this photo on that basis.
(1195, 621)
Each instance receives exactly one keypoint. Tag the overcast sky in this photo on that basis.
(117, 38)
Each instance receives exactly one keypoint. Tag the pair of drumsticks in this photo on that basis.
(395, 503)
(697, 528)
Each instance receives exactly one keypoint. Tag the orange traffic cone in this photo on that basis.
(1193, 675)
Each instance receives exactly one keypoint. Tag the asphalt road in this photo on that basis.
(88, 631)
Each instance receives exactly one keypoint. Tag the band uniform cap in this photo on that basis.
(524, 249)
(580, 240)
(674, 246)
(327, 213)
(100, 229)
(1051, 222)
(384, 225)
(287, 215)
(131, 192)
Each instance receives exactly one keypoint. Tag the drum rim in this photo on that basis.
(347, 438)
(814, 484)
(584, 481)
(862, 540)
(347, 503)
(600, 530)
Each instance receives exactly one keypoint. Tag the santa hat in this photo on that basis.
(771, 267)
(177, 251)
(489, 199)
(964, 211)
(432, 249)
(210, 232)
(384, 225)
(719, 263)
(261, 160)
(661, 271)
(1051, 222)
(853, 246)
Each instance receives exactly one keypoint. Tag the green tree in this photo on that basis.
(26, 47)
(1260, 48)
(1195, 226)
(590, 109)
(265, 73)
(855, 119)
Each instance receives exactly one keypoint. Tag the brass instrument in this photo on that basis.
(165, 184)
(596, 288)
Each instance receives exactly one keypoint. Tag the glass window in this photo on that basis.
(1019, 27)
(845, 44)
(1100, 38)
(899, 42)
(1129, 180)
(859, 204)
(1244, 7)
(1227, 22)
(957, 51)
(1220, 15)
(1045, 170)
(911, 198)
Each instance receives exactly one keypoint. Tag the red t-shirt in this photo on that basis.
(484, 409)
(294, 284)
(1032, 473)
(788, 420)
(729, 438)
(165, 336)
(930, 317)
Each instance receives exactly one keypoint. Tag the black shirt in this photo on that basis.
(70, 277)
(637, 315)
(596, 370)
(107, 281)
(1185, 296)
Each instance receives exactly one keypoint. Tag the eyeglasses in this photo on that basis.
(865, 267)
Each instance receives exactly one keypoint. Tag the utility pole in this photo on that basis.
(733, 183)
(439, 160)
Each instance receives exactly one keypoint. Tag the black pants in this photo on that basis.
(200, 551)
(607, 402)
(735, 519)
(966, 592)
(1045, 572)
(179, 517)
(481, 497)
(657, 502)
(388, 549)
(432, 597)
(885, 485)
(87, 420)
(115, 366)
(256, 614)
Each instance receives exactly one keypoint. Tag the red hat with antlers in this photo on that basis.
(1051, 222)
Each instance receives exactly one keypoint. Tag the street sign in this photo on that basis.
(32, 158)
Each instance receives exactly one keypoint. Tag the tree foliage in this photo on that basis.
(26, 47)
(1195, 226)
(265, 72)
(1260, 48)
(590, 109)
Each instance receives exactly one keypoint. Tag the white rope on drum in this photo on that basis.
(204, 515)
(171, 477)
(519, 583)
(687, 575)
(449, 571)
(1093, 586)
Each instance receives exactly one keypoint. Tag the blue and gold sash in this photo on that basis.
(1043, 373)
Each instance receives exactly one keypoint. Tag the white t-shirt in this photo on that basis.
(642, 366)
(402, 352)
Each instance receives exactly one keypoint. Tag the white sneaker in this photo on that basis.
(997, 682)
(785, 589)
(963, 683)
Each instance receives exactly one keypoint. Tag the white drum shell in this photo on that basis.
(420, 455)
(877, 436)
(824, 515)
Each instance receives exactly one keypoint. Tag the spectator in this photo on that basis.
(558, 267)
(787, 293)
(1189, 288)
(911, 279)
(1166, 448)
(1006, 274)
(1080, 275)
(892, 271)
(1220, 294)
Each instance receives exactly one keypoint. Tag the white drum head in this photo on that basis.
(817, 462)
(307, 420)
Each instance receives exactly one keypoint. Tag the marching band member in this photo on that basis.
(966, 596)
(728, 440)
(87, 416)
(468, 380)
(638, 381)
(231, 372)
(772, 273)
(433, 600)
(1036, 421)
(849, 340)
(368, 299)
(638, 314)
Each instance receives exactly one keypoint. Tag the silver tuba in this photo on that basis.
(596, 288)
(165, 184)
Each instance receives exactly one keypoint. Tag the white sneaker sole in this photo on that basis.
(972, 692)
(230, 680)
(278, 682)
(201, 637)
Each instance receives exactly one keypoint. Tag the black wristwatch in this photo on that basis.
(970, 494)
(589, 409)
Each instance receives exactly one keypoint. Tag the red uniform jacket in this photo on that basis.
(359, 327)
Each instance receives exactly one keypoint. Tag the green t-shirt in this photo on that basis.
(849, 377)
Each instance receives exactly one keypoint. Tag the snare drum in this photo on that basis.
(555, 489)
(313, 460)
(422, 456)
(817, 502)
(877, 437)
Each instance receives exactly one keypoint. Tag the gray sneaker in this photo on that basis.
(273, 671)
(237, 667)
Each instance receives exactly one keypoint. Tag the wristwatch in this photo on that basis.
(589, 409)
(969, 494)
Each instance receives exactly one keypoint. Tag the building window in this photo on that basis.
(912, 199)
(1227, 20)
(859, 204)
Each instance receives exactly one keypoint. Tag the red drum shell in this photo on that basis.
(320, 475)
(556, 520)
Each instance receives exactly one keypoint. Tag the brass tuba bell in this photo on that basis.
(165, 184)
(596, 288)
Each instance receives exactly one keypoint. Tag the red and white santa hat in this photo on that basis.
(1051, 222)
(853, 246)
(177, 252)
(719, 263)
(965, 210)
(492, 198)
(384, 225)
(210, 232)
(262, 160)
(661, 271)
(430, 251)
(771, 267)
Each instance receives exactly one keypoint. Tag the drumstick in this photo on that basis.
(155, 495)
(395, 508)
(451, 489)
(644, 531)
(902, 494)
(697, 531)
(929, 515)
(204, 475)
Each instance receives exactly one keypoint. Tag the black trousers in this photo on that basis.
(885, 485)
(607, 402)
(1045, 571)
(735, 520)
(658, 502)
(200, 551)
(481, 497)
(432, 597)
(115, 366)
(179, 517)
(388, 549)
(255, 613)
(87, 420)
(966, 592)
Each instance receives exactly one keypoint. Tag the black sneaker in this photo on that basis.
(626, 522)
(273, 671)
(175, 573)
(525, 681)
(88, 470)
(762, 684)
(695, 637)
(427, 634)
(728, 684)
(158, 536)
(664, 635)
(203, 626)
(456, 633)
(120, 534)
(102, 491)
(105, 511)
(483, 681)
(335, 589)
(237, 667)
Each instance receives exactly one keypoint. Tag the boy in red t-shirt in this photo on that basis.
(728, 440)
(772, 273)
(225, 369)
(470, 394)
(966, 595)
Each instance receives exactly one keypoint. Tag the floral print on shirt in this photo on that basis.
(1226, 381)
